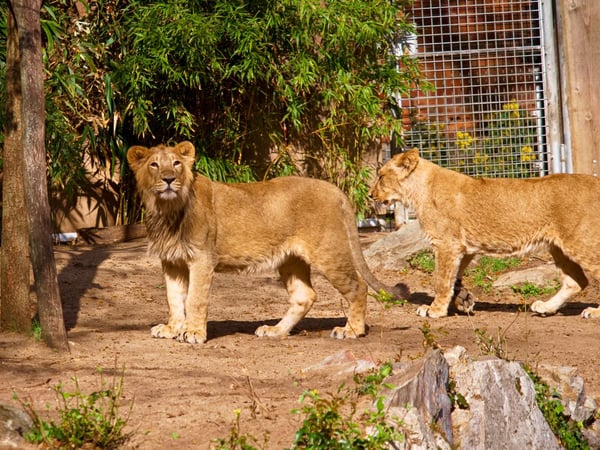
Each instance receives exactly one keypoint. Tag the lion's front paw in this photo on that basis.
(163, 331)
(192, 336)
(428, 311)
(422, 310)
(542, 308)
(590, 313)
(346, 333)
(270, 331)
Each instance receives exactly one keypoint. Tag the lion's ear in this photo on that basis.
(186, 148)
(407, 161)
(136, 156)
(187, 152)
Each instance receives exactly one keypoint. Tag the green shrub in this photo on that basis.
(333, 422)
(565, 429)
(484, 273)
(84, 419)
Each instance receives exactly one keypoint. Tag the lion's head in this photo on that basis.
(163, 174)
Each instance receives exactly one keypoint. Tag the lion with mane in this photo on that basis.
(197, 226)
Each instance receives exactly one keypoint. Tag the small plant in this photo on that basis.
(332, 422)
(568, 431)
(236, 440)
(484, 273)
(36, 330)
(387, 300)
(490, 345)
(430, 336)
(84, 419)
(423, 260)
(528, 290)
(456, 398)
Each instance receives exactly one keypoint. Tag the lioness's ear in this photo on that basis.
(406, 162)
(136, 155)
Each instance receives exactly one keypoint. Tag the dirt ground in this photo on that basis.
(184, 396)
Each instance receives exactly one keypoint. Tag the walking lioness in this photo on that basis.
(197, 226)
(464, 216)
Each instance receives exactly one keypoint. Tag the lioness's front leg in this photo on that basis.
(446, 269)
(176, 281)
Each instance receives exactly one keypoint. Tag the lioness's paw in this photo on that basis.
(464, 301)
(542, 308)
(269, 331)
(346, 333)
(163, 331)
(590, 313)
(192, 336)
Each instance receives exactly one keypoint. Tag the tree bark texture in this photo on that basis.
(27, 14)
(15, 305)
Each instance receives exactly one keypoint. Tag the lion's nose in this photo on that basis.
(168, 180)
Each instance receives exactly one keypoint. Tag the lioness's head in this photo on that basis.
(388, 185)
(163, 174)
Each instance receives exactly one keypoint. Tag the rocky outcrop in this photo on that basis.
(497, 407)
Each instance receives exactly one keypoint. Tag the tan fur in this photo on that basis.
(464, 216)
(196, 227)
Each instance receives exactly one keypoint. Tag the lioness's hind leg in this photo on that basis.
(447, 264)
(591, 312)
(295, 274)
(462, 299)
(573, 281)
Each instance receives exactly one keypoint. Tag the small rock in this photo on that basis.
(342, 363)
(391, 251)
(541, 275)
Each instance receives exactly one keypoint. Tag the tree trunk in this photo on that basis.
(27, 14)
(15, 308)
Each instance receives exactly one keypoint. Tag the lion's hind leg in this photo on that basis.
(573, 281)
(354, 289)
(295, 274)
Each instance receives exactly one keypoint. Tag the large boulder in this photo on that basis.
(502, 412)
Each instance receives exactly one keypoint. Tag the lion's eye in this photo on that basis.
(154, 165)
(176, 163)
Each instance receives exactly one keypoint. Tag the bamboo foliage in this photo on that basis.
(314, 75)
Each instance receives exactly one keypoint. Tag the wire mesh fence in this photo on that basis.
(485, 61)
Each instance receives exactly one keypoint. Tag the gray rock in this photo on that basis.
(391, 251)
(423, 385)
(541, 275)
(14, 424)
(502, 412)
(418, 434)
(571, 388)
